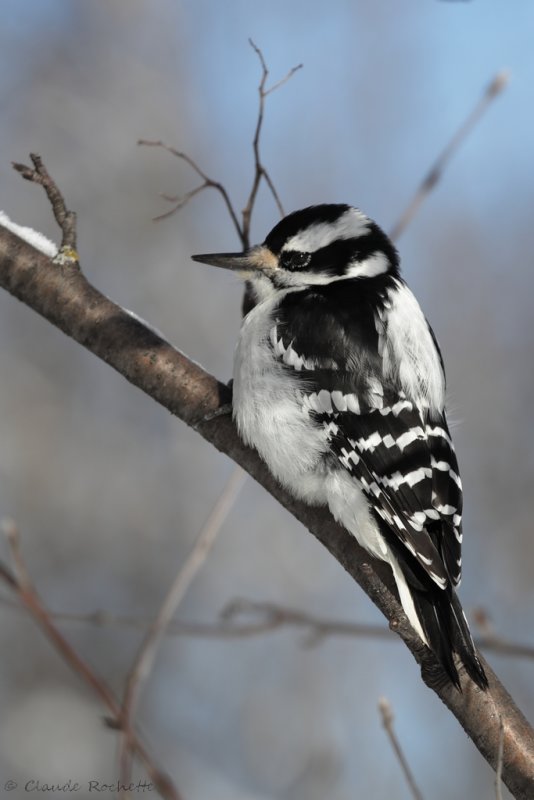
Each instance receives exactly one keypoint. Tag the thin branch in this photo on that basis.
(207, 183)
(67, 300)
(146, 655)
(283, 80)
(28, 597)
(179, 202)
(267, 618)
(259, 169)
(272, 616)
(386, 713)
(435, 173)
(242, 229)
(65, 219)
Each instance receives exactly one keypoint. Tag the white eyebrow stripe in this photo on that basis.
(351, 224)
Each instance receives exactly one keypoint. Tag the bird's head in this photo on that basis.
(314, 246)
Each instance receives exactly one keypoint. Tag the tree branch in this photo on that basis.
(434, 175)
(65, 219)
(264, 618)
(259, 169)
(207, 183)
(63, 296)
(386, 712)
(21, 584)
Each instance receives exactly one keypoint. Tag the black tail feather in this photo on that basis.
(441, 616)
(447, 631)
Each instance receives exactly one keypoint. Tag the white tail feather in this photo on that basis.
(406, 598)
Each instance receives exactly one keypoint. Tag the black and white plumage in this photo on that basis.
(339, 385)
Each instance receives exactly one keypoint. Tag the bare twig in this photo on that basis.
(387, 719)
(435, 173)
(259, 169)
(30, 600)
(65, 219)
(266, 618)
(147, 652)
(207, 183)
(273, 616)
(242, 229)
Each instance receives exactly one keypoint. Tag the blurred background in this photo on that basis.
(110, 491)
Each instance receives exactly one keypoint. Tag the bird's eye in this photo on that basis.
(293, 260)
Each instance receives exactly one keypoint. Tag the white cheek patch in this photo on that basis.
(376, 264)
(349, 225)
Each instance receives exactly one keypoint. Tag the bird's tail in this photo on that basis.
(437, 616)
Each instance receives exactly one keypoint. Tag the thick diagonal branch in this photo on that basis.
(65, 298)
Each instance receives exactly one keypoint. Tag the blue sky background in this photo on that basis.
(110, 492)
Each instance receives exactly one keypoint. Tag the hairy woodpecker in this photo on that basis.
(339, 385)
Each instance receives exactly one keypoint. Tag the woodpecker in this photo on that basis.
(339, 385)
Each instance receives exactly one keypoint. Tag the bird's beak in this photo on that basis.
(234, 261)
(257, 258)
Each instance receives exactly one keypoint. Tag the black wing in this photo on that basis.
(401, 455)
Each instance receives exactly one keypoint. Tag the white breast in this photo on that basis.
(271, 415)
(269, 411)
